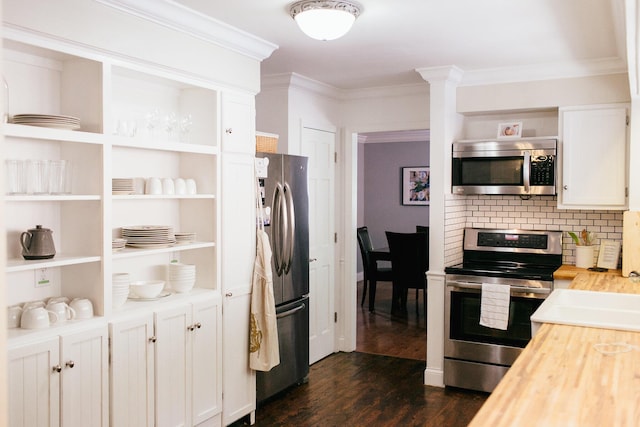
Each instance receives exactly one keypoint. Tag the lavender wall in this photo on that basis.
(379, 185)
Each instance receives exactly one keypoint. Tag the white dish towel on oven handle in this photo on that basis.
(494, 306)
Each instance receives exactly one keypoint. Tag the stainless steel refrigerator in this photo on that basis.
(285, 208)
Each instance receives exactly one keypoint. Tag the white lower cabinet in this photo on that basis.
(60, 381)
(166, 364)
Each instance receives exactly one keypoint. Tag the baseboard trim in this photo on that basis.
(434, 377)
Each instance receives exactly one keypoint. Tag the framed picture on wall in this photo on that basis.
(415, 185)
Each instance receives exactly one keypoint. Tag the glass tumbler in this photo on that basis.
(15, 176)
(60, 177)
(38, 177)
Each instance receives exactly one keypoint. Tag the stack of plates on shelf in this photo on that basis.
(149, 236)
(118, 244)
(120, 288)
(47, 120)
(183, 237)
(122, 186)
(182, 277)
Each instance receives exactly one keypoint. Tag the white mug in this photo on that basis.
(180, 186)
(14, 313)
(83, 308)
(37, 318)
(58, 299)
(62, 310)
(153, 186)
(33, 304)
(191, 186)
(168, 186)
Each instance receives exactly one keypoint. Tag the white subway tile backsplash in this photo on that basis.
(537, 213)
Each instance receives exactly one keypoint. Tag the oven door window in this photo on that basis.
(487, 171)
(465, 320)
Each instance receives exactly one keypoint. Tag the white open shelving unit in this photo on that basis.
(105, 94)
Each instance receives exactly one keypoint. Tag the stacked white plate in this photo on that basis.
(182, 277)
(118, 244)
(149, 236)
(122, 186)
(47, 120)
(185, 237)
(120, 288)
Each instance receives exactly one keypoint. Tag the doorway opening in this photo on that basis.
(381, 157)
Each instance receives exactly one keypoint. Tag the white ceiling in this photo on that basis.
(503, 40)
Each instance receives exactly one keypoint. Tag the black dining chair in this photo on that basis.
(373, 273)
(409, 264)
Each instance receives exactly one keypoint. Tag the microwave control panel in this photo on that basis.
(542, 170)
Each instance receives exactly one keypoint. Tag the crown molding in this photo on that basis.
(554, 71)
(181, 18)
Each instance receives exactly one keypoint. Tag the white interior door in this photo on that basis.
(319, 147)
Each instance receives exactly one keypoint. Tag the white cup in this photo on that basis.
(33, 304)
(37, 318)
(153, 186)
(180, 186)
(62, 310)
(191, 186)
(13, 316)
(58, 299)
(138, 185)
(168, 186)
(83, 308)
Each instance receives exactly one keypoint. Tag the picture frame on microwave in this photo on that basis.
(511, 130)
(415, 185)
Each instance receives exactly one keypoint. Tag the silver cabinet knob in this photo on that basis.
(57, 369)
(228, 294)
(229, 130)
(564, 187)
(313, 260)
(152, 339)
(70, 364)
(198, 325)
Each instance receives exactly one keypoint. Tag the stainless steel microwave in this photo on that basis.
(523, 166)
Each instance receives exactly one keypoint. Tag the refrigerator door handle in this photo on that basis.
(291, 232)
(280, 225)
(290, 312)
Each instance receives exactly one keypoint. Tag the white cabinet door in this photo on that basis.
(207, 360)
(239, 381)
(238, 123)
(34, 385)
(85, 388)
(594, 152)
(173, 373)
(132, 380)
(238, 254)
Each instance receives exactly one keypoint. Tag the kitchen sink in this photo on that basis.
(607, 310)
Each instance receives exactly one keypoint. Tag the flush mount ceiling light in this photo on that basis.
(324, 19)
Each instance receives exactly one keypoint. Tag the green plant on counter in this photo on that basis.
(584, 239)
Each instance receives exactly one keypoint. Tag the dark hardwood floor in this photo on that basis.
(380, 384)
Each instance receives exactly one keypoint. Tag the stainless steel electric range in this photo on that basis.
(477, 357)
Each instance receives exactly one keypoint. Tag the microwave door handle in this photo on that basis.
(526, 171)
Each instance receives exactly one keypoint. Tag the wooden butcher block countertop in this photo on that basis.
(560, 379)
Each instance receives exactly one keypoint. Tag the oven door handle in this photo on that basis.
(478, 286)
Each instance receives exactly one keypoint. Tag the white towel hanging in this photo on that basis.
(494, 306)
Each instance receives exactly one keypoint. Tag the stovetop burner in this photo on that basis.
(513, 254)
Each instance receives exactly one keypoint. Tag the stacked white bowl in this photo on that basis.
(120, 288)
(182, 277)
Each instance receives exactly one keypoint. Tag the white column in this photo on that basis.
(445, 127)
(632, 16)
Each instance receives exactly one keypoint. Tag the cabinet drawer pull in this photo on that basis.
(152, 339)
(57, 369)
(70, 364)
(191, 327)
(228, 294)
(198, 325)
(229, 130)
